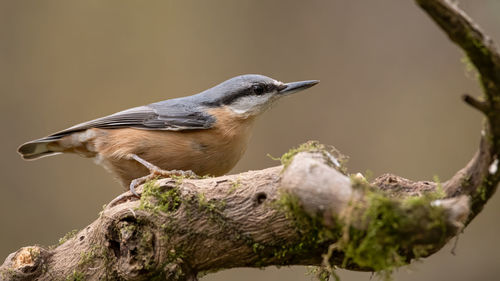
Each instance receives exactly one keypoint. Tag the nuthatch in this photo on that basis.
(205, 133)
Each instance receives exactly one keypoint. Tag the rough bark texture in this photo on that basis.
(305, 212)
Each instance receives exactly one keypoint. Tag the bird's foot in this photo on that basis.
(154, 173)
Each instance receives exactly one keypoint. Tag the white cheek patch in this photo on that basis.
(238, 111)
(251, 104)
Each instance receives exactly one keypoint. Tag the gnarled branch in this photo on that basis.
(305, 212)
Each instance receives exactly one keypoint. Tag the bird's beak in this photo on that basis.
(293, 87)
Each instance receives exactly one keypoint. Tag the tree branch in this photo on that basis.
(305, 212)
(182, 227)
(479, 178)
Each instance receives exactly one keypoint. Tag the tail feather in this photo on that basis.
(36, 149)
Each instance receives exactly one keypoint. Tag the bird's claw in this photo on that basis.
(136, 182)
(155, 172)
(159, 173)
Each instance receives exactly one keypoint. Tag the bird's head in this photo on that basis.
(251, 94)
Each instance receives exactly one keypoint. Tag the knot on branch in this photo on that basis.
(137, 242)
(134, 245)
(25, 264)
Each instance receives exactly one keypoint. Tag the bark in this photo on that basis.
(307, 211)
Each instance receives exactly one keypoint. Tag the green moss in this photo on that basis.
(138, 232)
(68, 236)
(202, 199)
(382, 240)
(439, 192)
(211, 205)
(376, 246)
(76, 276)
(484, 191)
(89, 256)
(257, 247)
(287, 158)
(478, 44)
(213, 208)
(336, 159)
(34, 253)
(313, 235)
(385, 239)
(146, 247)
(234, 185)
(174, 255)
(145, 242)
(155, 198)
(321, 273)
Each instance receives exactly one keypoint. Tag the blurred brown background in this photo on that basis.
(388, 97)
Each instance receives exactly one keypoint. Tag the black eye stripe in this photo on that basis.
(254, 89)
(228, 99)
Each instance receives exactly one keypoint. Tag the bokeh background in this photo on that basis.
(388, 98)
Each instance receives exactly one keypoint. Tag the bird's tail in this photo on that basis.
(39, 148)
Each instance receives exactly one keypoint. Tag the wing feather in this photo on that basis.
(157, 116)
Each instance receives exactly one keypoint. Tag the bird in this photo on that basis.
(202, 134)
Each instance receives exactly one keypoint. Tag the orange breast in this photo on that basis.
(213, 151)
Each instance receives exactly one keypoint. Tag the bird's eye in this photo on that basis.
(258, 90)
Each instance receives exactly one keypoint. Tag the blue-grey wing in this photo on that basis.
(173, 117)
